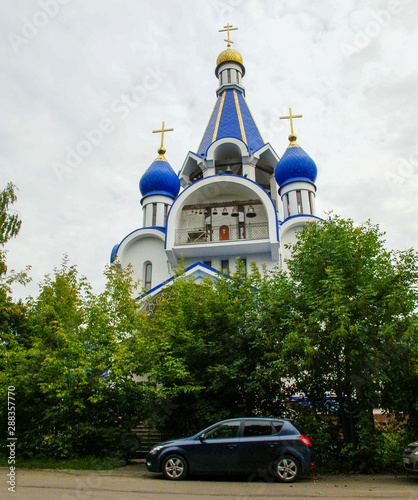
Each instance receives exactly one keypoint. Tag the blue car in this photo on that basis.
(247, 445)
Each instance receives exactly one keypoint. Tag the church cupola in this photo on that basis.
(229, 67)
(296, 174)
(159, 186)
(159, 178)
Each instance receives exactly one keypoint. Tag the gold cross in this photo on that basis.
(228, 29)
(162, 150)
(290, 117)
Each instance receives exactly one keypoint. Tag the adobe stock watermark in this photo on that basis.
(32, 25)
(276, 128)
(406, 168)
(225, 7)
(379, 20)
(163, 411)
(120, 109)
(11, 439)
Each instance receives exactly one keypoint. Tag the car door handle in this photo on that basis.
(230, 446)
(272, 445)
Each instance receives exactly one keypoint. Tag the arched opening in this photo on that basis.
(228, 159)
(147, 275)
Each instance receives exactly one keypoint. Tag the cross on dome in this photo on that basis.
(162, 150)
(292, 136)
(228, 28)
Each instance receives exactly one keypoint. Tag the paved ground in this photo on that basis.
(134, 482)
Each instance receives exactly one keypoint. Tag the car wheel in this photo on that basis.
(175, 467)
(287, 469)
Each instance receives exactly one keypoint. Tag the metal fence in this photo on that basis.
(226, 232)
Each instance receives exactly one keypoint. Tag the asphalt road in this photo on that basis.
(134, 482)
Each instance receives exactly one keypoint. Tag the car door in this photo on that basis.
(218, 448)
(257, 446)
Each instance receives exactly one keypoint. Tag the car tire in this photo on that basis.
(287, 469)
(175, 467)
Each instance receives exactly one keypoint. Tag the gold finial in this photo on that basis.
(162, 150)
(292, 136)
(228, 28)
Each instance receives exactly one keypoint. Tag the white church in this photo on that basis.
(232, 198)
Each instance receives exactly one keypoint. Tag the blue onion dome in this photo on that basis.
(295, 165)
(160, 178)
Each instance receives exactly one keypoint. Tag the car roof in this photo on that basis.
(262, 419)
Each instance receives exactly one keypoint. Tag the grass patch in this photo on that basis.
(79, 463)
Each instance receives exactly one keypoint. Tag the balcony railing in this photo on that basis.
(227, 232)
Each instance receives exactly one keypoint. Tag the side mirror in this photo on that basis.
(201, 437)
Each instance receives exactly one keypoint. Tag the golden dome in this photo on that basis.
(229, 55)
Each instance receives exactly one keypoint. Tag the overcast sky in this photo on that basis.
(84, 83)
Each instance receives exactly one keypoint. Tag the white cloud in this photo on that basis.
(137, 63)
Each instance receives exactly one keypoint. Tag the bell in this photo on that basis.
(214, 212)
(224, 211)
(234, 212)
(228, 170)
(251, 212)
(200, 212)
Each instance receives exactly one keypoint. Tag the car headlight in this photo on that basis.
(156, 449)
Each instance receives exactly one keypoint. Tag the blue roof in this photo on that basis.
(295, 165)
(231, 117)
(160, 178)
(114, 252)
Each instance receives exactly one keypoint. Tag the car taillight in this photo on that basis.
(305, 440)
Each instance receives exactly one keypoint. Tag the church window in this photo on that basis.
(154, 214)
(208, 263)
(311, 202)
(237, 76)
(229, 76)
(225, 266)
(148, 275)
(299, 202)
(286, 204)
(166, 207)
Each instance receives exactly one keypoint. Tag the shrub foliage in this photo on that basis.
(326, 342)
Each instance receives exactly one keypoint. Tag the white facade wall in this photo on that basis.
(142, 247)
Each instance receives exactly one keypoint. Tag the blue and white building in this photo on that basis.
(233, 197)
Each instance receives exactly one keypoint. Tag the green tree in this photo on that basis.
(9, 222)
(343, 319)
(74, 381)
(12, 315)
(206, 354)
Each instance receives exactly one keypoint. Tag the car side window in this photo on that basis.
(278, 426)
(224, 431)
(254, 429)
